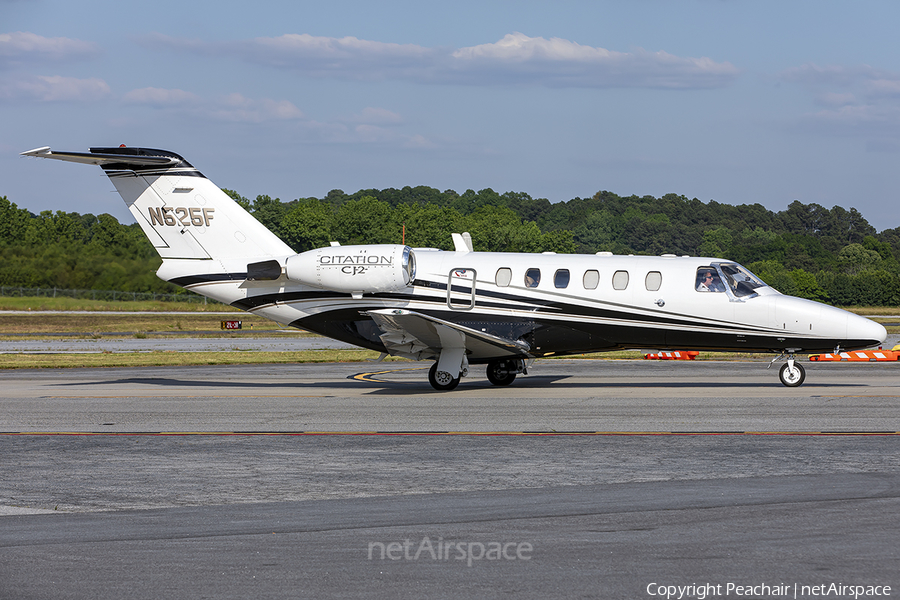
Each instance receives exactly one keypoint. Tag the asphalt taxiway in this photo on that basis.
(583, 479)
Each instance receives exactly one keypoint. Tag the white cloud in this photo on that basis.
(515, 59)
(331, 53)
(559, 62)
(22, 46)
(859, 100)
(53, 88)
(377, 116)
(238, 108)
(884, 87)
(235, 107)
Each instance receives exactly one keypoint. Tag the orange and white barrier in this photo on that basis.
(858, 356)
(677, 355)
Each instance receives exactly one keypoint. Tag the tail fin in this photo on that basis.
(183, 213)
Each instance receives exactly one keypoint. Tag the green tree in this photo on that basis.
(855, 258)
(307, 225)
(716, 242)
(366, 221)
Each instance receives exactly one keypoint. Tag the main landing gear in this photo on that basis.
(499, 372)
(442, 381)
(503, 372)
(791, 373)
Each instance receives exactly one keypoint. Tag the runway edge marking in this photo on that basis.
(451, 433)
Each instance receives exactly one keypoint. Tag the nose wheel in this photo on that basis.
(792, 373)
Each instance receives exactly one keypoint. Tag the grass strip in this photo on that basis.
(89, 324)
(36, 303)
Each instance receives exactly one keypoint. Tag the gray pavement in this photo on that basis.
(287, 342)
(129, 513)
(558, 395)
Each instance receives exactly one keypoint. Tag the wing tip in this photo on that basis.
(42, 151)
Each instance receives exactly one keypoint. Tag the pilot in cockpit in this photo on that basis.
(708, 281)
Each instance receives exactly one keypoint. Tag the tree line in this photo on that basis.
(831, 255)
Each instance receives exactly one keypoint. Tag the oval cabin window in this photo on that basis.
(591, 279)
(532, 278)
(503, 277)
(653, 281)
(620, 280)
(561, 278)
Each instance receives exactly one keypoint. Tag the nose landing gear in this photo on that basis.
(792, 373)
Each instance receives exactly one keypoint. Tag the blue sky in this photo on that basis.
(738, 102)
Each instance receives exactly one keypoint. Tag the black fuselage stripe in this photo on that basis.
(542, 307)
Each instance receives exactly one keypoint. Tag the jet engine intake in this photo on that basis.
(365, 269)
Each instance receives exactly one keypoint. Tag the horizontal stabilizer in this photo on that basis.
(105, 159)
(419, 336)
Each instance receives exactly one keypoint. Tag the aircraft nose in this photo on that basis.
(862, 328)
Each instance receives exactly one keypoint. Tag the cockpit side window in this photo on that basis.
(708, 280)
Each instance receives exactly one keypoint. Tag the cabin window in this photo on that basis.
(503, 277)
(591, 279)
(708, 280)
(653, 281)
(561, 278)
(620, 280)
(532, 278)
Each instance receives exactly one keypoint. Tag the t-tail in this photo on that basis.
(195, 226)
(184, 214)
(214, 247)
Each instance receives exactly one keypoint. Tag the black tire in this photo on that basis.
(439, 383)
(792, 378)
(497, 373)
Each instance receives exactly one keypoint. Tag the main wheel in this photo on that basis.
(498, 374)
(792, 377)
(442, 381)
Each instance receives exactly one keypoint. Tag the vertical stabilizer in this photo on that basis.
(183, 213)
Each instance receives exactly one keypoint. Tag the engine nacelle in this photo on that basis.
(355, 269)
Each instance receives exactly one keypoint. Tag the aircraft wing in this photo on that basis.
(418, 336)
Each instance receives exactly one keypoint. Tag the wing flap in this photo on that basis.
(419, 336)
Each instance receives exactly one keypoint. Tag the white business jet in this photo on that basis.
(464, 307)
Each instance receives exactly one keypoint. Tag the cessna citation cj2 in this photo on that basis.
(464, 307)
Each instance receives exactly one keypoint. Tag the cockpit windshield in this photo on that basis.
(741, 281)
(727, 277)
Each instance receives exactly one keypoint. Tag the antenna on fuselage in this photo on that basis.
(462, 242)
